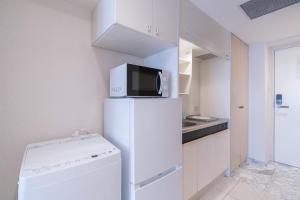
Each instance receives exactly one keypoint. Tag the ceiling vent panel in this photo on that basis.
(258, 8)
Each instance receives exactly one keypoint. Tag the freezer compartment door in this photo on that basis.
(168, 187)
(156, 137)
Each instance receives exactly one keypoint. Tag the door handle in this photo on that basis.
(241, 107)
(284, 107)
(158, 83)
(148, 28)
(157, 31)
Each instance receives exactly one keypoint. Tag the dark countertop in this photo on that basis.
(202, 129)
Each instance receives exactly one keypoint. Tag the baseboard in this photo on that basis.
(200, 193)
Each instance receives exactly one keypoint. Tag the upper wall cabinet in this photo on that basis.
(135, 27)
(133, 14)
(166, 20)
(202, 30)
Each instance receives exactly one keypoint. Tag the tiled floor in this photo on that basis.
(257, 182)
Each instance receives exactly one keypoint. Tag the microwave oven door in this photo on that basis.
(143, 81)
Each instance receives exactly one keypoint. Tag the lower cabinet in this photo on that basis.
(190, 168)
(204, 160)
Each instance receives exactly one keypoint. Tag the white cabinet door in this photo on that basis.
(220, 152)
(190, 163)
(135, 14)
(205, 161)
(165, 20)
(202, 30)
(213, 157)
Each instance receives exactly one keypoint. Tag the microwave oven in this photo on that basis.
(130, 80)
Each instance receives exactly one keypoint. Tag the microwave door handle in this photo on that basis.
(158, 83)
(161, 83)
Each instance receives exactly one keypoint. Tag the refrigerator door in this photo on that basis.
(166, 188)
(156, 137)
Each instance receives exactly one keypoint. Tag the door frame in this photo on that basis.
(271, 58)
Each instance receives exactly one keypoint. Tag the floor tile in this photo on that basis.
(256, 181)
(244, 191)
(213, 194)
(228, 197)
(225, 184)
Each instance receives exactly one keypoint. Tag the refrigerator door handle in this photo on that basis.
(284, 107)
(157, 177)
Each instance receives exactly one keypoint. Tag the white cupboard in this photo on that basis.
(134, 14)
(190, 168)
(135, 27)
(205, 173)
(202, 30)
(221, 147)
(204, 160)
(166, 20)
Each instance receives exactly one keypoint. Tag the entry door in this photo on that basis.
(287, 107)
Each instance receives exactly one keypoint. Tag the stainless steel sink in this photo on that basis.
(201, 118)
(188, 124)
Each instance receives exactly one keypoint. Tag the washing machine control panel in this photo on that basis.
(66, 153)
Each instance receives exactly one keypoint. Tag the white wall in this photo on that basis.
(260, 103)
(270, 104)
(191, 102)
(215, 88)
(261, 97)
(51, 80)
(210, 89)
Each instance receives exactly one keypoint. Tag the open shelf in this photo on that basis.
(184, 83)
(185, 68)
(184, 61)
(184, 74)
(184, 93)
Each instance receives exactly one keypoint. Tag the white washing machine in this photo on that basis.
(85, 167)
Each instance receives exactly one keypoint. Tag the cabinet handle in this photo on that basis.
(157, 31)
(148, 28)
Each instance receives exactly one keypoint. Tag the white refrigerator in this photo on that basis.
(148, 133)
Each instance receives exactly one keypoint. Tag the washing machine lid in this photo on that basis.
(44, 157)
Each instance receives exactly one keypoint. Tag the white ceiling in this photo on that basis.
(275, 26)
(86, 3)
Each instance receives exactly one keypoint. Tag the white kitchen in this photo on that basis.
(149, 99)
